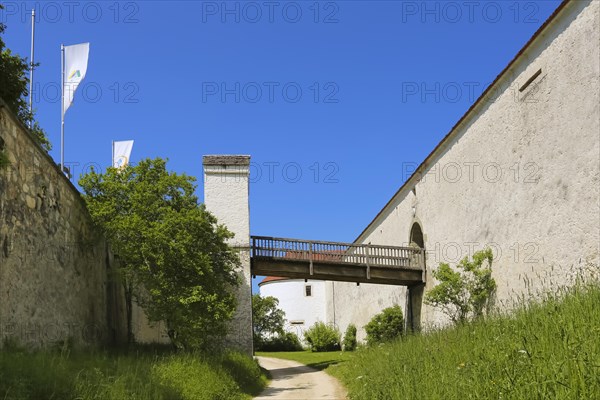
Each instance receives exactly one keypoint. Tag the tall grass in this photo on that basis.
(138, 374)
(544, 350)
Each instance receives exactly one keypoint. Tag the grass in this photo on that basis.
(137, 374)
(544, 350)
(315, 360)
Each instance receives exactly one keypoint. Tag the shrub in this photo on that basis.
(322, 337)
(385, 326)
(13, 88)
(466, 293)
(350, 338)
(287, 341)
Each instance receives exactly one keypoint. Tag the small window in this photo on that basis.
(297, 322)
(308, 290)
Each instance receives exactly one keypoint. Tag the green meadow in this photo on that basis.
(549, 349)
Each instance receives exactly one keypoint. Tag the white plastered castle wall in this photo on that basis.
(226, 195)
(520, 173)
(298, 307)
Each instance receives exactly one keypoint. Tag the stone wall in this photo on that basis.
(56, 272)
(519, 173)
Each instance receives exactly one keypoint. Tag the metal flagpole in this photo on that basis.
(62, 107)
(113, 154)
(31, 67)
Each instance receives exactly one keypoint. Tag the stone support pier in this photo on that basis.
(226, 195)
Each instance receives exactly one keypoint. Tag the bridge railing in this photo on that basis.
(338, 253)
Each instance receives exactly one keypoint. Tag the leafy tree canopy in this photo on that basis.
(14, 88)
(267, 318)
(173, 255)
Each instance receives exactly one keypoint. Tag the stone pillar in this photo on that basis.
(414, 303)
(226, 197)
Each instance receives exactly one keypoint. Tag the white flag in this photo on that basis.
(76, 61)
(122, 152)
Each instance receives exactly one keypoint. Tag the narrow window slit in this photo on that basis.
(526, 84)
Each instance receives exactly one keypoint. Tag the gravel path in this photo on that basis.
(294, 381)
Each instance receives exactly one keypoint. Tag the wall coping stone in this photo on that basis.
(226, 160)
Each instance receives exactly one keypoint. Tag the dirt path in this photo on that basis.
(292, 380)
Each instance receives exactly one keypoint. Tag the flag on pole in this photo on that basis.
(121, 153)
(76, 61)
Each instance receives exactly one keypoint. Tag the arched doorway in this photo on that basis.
(414, 298)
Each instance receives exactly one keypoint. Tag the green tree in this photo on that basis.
(385, 326)
(173, 256)
(267, 318)
(14, 88)
(467, 292)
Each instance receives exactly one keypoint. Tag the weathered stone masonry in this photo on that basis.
(56, 280)
(58, 277)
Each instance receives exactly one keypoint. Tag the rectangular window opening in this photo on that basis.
(308, 290)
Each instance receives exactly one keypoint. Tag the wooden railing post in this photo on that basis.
(367, 261)
(310, 257)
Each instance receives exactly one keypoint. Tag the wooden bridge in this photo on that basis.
(349, 262)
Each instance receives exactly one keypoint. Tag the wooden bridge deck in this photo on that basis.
(348, 262)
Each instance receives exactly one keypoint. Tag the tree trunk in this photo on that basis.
(172, 335)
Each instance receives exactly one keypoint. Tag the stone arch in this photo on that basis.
(414, 296)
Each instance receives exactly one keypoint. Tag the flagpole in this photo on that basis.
(112, 164)
(62, 107)
(31, 67)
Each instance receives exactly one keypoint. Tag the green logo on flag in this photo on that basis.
(75, 74)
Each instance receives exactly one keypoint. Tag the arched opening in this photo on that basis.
(416, 235)
(414, 298)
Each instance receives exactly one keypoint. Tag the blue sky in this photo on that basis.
(334, 101)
